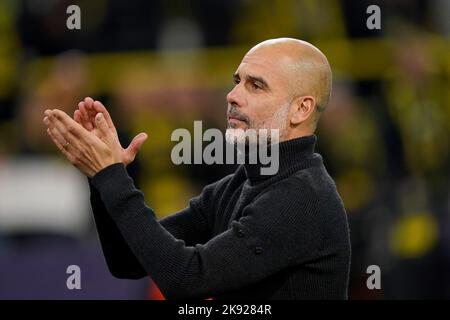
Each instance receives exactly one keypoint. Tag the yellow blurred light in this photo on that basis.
(414, 235)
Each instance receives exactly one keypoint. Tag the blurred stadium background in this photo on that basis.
(159, 65)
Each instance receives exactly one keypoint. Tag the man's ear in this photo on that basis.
(304, 107)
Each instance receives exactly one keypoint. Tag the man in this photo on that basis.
(281, 236)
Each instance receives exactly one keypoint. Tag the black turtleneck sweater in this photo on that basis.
(246, 236)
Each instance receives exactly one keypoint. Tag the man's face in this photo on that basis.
(261, 96)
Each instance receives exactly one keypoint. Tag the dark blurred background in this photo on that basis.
(160, 65)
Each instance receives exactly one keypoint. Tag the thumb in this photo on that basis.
(136, 145)
(102, 125)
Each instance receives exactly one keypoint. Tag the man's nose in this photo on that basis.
(235, 97)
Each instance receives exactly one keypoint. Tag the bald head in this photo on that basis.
(305, 65)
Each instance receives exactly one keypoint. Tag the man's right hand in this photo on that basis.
(85, 116)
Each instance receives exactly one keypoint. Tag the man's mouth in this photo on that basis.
(236, 119)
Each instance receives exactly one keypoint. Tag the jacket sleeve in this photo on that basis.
(257, 245)
(187, 225)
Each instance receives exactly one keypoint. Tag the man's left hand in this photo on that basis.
(82, 148)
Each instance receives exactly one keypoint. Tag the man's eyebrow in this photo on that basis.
(253, 79)
(258, 79)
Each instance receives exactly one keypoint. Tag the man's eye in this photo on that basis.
(236, 81)
(256, 86)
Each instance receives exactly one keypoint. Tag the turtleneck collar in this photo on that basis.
(294, 155)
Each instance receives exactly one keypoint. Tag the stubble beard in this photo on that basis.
(255, 134)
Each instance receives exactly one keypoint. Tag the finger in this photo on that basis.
(88, 102)
(136, 145)
(61, 134)
(86, 122)
(91, 115)
(72, 147)
(57, 141)
(70, 152)
(69, 142)
(67, 123)
(70, 130)
(51, 129)
(99, 107)
(82, 108)
(48, 120)
(103, 127)
(77, 116)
